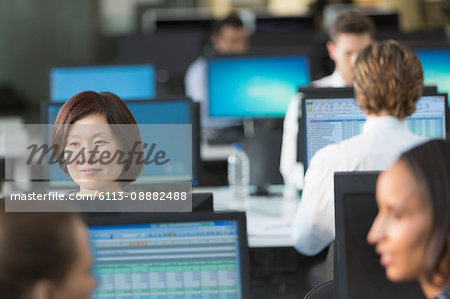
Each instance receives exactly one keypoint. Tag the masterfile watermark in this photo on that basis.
(97, 156)
(140, 168)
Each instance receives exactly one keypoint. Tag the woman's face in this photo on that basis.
(400, 230)
(79, 282)
(98, 171)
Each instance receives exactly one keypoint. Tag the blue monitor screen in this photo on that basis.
(436, 68)
(167, 260)
(254, 87)
(146, 112)
(127, 81)
(333, 120)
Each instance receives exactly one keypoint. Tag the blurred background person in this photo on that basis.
(350, 33)
(228, 37)
(44, 256)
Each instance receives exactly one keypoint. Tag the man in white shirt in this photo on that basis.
(349, 35)
(388, 82)
(229, 36)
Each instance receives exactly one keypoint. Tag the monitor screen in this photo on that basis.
(332, 120)
(198, 259)
(436, 68)
(254, 87)
(145, 112)
(127, 81)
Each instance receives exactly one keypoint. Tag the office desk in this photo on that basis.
(268, 218)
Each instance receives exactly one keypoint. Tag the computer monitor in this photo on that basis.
(184, 255)
(155, 112)
(129, 82)
(357, 269)
(436, 67)
(332, 116)
(254, 87)
(135, 48)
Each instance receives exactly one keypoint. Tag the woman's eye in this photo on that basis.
(101, 142)
(74, 144)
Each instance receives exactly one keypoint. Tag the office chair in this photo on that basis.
(322, 291)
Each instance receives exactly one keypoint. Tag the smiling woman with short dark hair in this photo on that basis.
(92, 128)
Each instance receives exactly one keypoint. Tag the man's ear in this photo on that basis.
(331, 47)
(42, 290)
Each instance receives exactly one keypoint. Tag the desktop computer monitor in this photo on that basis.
(183, 255)
(129, 82)
(254, 87)
(330, 116)
(357, 269)
(436, 67)
(146, 112)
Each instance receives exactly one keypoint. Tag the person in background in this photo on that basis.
(44, 256)
(412, 229)
(388, 82)
(229, 36)
(349, 35)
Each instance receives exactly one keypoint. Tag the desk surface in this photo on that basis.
(268, 218)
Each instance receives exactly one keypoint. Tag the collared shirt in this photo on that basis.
(333, 80)
(196, 86)
(379, 145)
(290, 169)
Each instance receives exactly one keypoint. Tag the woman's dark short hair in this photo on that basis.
(34, 246)
(116, 113)
(388, 78)
(430, 166)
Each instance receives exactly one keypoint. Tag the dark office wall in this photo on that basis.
(36, 35)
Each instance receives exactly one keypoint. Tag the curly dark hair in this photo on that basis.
(388, 79)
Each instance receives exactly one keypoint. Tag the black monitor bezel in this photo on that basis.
(103, 219)
(348, 186)
(345, 184)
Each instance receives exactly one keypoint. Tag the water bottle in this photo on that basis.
(238, 172)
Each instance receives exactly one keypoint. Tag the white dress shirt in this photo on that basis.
(333, 80)
(379, 145)
(196, 88)
(290, 168)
